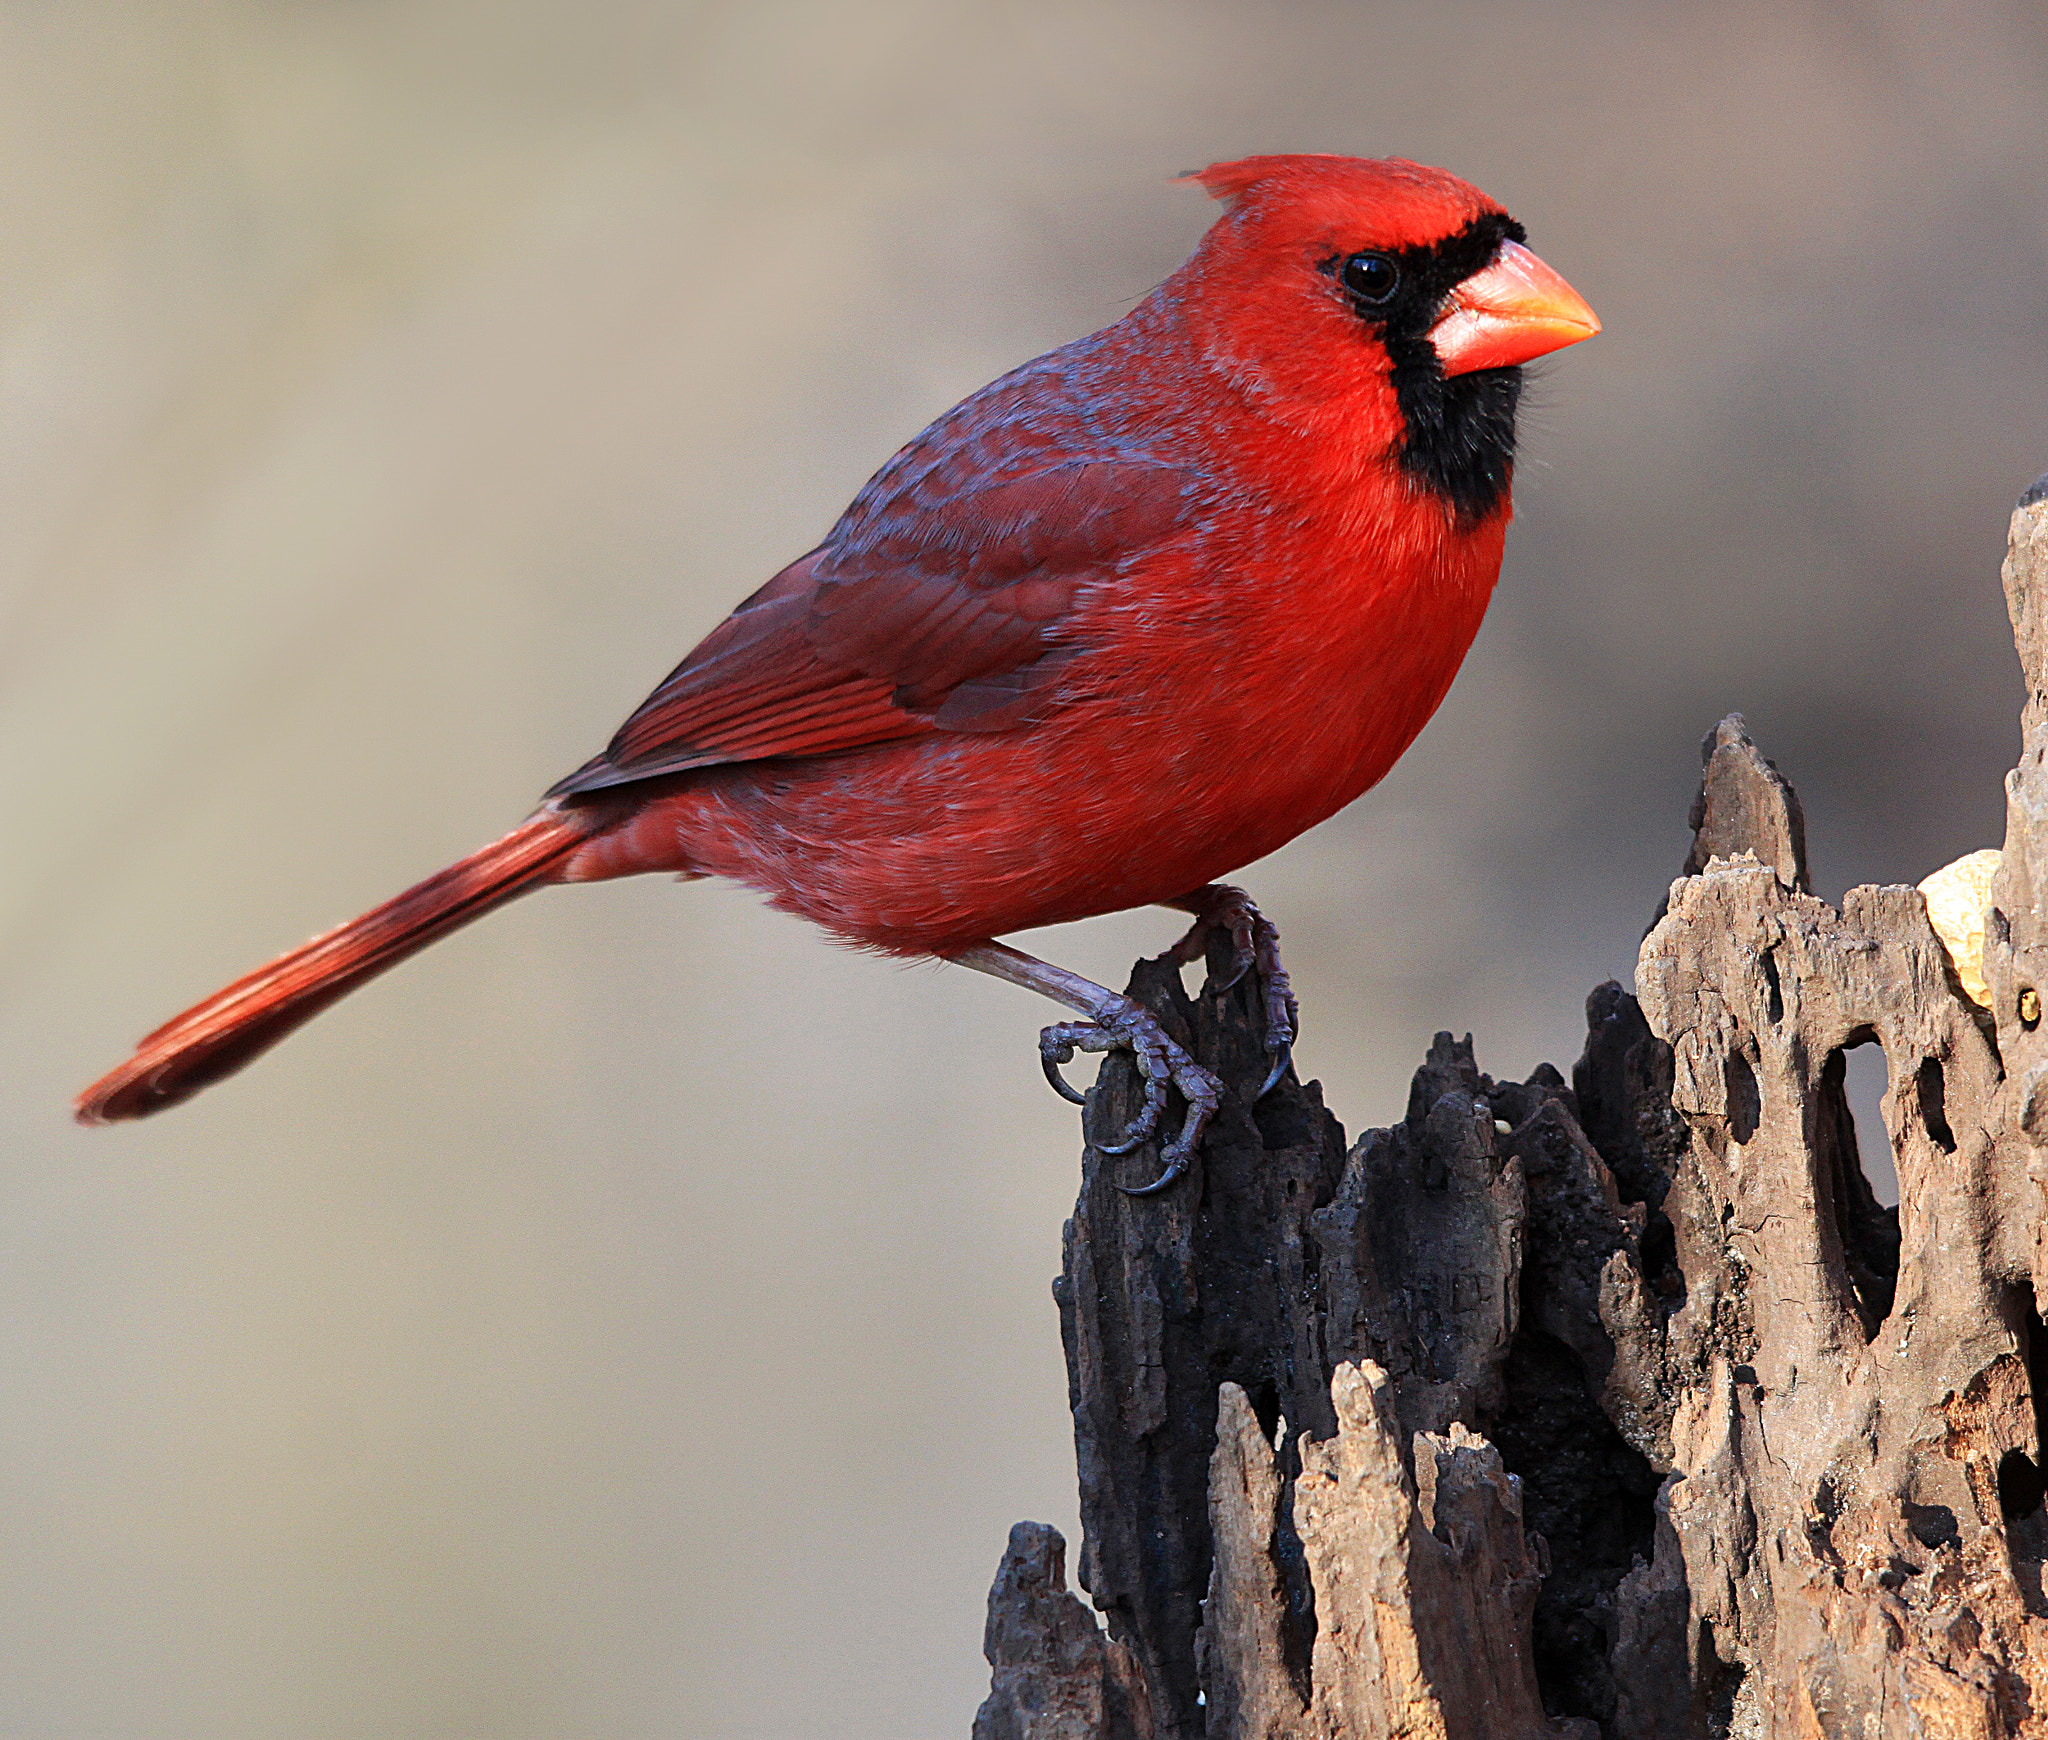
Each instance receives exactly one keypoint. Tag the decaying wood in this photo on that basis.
(1056, 1676)
(1618, 1407)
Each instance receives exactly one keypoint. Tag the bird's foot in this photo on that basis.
(1121, 1025)
(1111, 1023)
(1254, 944)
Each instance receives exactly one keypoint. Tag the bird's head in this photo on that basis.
(1383, 305)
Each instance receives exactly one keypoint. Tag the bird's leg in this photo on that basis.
(1254, 942)
(1112, 1023)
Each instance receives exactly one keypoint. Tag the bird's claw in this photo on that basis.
(1052, 1057)
(1170, 1174)
(1254, 942)
(1124, 1026)
(1118, 1024)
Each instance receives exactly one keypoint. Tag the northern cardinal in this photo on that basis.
(1132, 616)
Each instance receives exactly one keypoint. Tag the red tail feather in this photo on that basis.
(215, 1038)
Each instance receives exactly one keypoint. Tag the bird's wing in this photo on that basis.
(937, 604)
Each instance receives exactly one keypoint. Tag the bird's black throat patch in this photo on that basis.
(1459, 439)
(1458, 432)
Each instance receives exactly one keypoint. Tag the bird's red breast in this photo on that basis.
(1138, 612)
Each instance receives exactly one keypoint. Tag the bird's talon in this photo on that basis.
(1240, 964)
(1056, 1045)
(1123, 1026)
(1169, 1176)
(1140, 1128)
(1060, 1085)
(1254, 942)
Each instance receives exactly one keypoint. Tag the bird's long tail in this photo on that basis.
(215, 1038)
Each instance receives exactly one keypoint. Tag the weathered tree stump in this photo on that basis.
(1618, 1407)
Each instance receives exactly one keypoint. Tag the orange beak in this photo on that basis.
(1513, 312)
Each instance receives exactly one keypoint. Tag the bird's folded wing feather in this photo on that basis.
(940, 602)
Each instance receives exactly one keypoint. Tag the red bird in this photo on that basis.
(1132, 616)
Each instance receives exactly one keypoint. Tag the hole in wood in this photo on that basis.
(2019, 1486)
(1866, 1077)
(1933, 1109)
(2022, 1478)
(1721, 1683)
(1866, 1229)
(1745, 1099)
(1933, 1525)
(1590, 1495)
(2023, 1469)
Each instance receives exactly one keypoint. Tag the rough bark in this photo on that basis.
(1056, 1676)
(1618, 1407)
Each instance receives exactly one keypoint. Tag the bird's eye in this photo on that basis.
(1372, 278)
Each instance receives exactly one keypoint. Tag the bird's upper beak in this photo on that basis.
(1514, 311)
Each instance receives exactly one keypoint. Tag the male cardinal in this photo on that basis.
(1133, 615)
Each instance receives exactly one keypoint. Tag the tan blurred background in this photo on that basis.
(631, 1319)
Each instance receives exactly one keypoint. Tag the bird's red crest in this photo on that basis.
(1230, 182)
(1320, 186)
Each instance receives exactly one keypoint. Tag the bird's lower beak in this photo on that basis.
(1514, 311)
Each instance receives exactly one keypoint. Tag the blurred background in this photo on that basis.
(631, 1319)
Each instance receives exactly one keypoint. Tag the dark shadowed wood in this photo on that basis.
(1165, 1298)
(1618, 1407)
(1056, 1676)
